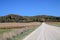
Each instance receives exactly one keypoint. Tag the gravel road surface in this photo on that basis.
(45, 32)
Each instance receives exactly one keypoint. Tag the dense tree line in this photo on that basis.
(39, 18)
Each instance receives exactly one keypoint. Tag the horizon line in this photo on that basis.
(30, 15)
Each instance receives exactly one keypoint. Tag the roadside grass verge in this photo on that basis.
(4, 30)
(24, 34)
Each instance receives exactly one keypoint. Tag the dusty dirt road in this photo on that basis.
(45, 32)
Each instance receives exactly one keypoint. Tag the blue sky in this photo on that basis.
(30, 7)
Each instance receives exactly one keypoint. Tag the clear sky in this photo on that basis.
(30, 7)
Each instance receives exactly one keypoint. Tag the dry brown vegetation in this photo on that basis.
(19, 25)
(23, 27)
(54, 23)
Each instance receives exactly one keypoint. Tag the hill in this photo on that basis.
(38, 18)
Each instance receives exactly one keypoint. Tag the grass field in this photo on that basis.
(6, 28)
(18, 25)
(54, 23)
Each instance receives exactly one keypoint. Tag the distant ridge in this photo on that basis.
(19, 18)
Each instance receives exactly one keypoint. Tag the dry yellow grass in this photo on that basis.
(14, 32)
(54, 23)
(18, 25)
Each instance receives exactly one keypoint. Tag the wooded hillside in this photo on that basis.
(38, 18)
